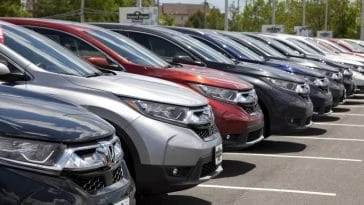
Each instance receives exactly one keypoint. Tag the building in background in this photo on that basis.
(181, 12)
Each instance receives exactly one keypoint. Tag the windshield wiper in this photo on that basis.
(95, 74)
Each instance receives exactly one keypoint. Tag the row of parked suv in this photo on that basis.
(162, 130)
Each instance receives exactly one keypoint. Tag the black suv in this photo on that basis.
(283, 98)
(52, 152)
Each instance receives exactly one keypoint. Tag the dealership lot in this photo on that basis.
(321, 165)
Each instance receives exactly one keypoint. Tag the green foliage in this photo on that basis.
(12, 8)
(343, 16)
(166, 20)
(196, 20)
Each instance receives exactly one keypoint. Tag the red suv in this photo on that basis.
(234, 101)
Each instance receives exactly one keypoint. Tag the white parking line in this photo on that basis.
(347, 114)
(338, 124)
(350, 106)
(266, 189)
(324, 138)
(294, 156)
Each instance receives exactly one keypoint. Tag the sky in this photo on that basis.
(217, 3)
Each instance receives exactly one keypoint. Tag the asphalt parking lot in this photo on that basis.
(320, 165)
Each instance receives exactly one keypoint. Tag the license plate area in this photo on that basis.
(123, 202)
(218, 154)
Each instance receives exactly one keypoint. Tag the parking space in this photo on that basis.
(320, 165)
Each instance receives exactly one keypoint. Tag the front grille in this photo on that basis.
(93, 182)
(208, 169)
(205, 131)
(254, 135)
(250, 108)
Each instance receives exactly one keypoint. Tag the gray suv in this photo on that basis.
(168, 133)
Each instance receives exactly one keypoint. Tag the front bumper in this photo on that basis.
(358, 80)
(240, 128)
(286, 110)
(322, 100)
(24, 187)
(349, 86)
(338, 92)
(160, 179)
(162, 145)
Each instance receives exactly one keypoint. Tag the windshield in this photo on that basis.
(205, 51)
(355, 46)
(45, 53)
(305, 47)
(128, 49)
(263, 47)
(237, 48)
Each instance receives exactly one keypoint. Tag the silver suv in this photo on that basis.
(168, 133)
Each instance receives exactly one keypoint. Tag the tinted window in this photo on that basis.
(159, 46)
(127, 48)
(45, 53)
(74, 44)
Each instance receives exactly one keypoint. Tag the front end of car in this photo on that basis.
(190, 154)
(237, 114)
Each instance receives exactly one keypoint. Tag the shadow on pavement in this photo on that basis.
(326, 118)
(340, 109)
(311, 131)
(353, 103)
(234, 168)
(173, 199)
(358, 97)
(276, 147)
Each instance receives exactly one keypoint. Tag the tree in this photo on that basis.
(166, 20)
(196, 20)
(12, 8)
(215, 19)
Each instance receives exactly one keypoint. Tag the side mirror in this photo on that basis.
(98, 61)
(4, 70)
(103, 63)
(186, 60)
(8, 76)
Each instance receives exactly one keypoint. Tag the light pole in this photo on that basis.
(274, 12)
(362, 21)
(226, 20)
(82, 11)
(326, 11)
(303, 12)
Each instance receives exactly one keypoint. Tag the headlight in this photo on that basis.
(298, 88)
(334, 76)
(53, 158)
(360, 69)
(347, 72)
(227, 95)
(28, 152)
(172, 113)
(320, 82)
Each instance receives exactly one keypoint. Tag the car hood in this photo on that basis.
(142, 87)
(266, 71)
(293, 67)
(315, 64)
(214, 77)
(28, 115)
(347, 59)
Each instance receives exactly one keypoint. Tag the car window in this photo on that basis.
(13, 69)
(76, 45)
(215, 47)
(161, 47)
(45, 53)
(127, 48)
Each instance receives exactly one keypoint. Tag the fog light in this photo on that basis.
(175, 172)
